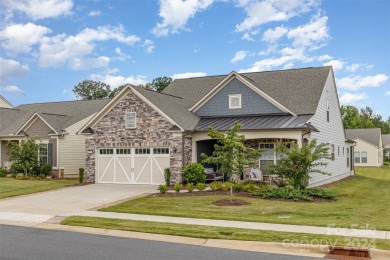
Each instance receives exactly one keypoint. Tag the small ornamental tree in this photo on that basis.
(297, 163)
(24, 153)
(231, 153)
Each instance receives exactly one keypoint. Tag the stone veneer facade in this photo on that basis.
(152, 130)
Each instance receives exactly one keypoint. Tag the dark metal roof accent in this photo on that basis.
(266, 122)
(174, 128)
(88, 131)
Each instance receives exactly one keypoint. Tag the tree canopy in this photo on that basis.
(365, 118)
(89, 89)
(25, 153)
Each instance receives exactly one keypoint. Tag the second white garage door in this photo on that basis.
(132, 165)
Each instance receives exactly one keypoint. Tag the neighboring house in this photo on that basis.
(4, 103)
(141, 132)
(386, 145)
(368, 150)
(54, 125)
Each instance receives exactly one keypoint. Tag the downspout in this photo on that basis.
(308, 132)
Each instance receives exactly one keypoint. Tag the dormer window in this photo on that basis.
(234, 101)
(130, 119)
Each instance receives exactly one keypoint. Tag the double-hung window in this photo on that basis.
(357, 157)
(43, 154)
(364, 157)
(131, 119)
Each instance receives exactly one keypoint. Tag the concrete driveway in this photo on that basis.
(33, 209)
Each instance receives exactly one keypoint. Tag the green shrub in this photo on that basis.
(81, 175)
(167, 176)
(226, 186)
(35, 170)
(294, 194)
(14, 175)
(163, 189)
(190, 187)
(216, 185)
(194, 173)
(238, 187)
(16, 168)
(177, 187)
(3, 173)
(46, 169)
(250, 187)
(201, 186)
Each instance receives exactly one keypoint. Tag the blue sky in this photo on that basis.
(48, 46)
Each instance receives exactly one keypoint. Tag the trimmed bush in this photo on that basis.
(167, 176)
(177, 187)
(16, 168)
(81, 175)
(294, 194)
(216, 185)
(194, 173)
(238, 187)
(190, 187)
(226, 186)
(163, 189)
(3, 173)
(250, 187)
(201, 186)
(46, 169)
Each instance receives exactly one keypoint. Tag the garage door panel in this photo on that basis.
(105, 172)
(142, 169)
(123, 168)
(159, 164)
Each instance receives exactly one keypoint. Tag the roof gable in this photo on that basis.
(5, 103)
(298, 90)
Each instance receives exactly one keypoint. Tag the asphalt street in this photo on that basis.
(40, 244)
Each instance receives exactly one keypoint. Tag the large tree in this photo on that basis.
(158, 84)
(25, 153)
(231, 153)
(89, 89)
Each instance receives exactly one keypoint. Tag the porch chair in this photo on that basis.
(255, 175)
(213, 176)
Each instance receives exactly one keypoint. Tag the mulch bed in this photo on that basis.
(326, 186)
(235, 194)
(230, 202)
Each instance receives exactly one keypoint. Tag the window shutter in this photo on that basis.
(50, 154)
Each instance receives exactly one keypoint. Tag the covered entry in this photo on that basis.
(144, 165)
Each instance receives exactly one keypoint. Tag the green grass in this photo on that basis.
(10, 187)
(209, 232)
(363, 200)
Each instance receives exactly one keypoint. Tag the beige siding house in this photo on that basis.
(368, 150)
(54, 126)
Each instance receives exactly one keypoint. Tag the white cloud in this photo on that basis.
(355, 66)
(20, 37)
(72, 50)
(336, 64)
(11, 69)
(260, 12)
(349, 98)
(188, 75)
(387, 93)
(116, 81)
(176, 13)
(324, 57)
(121, 56)
(40, 9)
(273, 35)
(239, 56)
(247, 37)
(94, 13)
(268, 64)
(12, 89)
(313, 34)
(359, 82)
(149, 46)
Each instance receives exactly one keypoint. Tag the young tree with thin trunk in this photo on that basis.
(231, 153)
(25, 153)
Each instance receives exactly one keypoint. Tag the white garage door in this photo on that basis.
(132, 165)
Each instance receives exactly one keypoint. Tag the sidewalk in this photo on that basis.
(240, 224)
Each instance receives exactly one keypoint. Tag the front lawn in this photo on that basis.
(363, 201)
(10, 187)
(210, 232)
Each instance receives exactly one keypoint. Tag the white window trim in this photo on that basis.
(135, 120)
(230, 101)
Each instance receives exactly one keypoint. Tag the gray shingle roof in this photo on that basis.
(370, 135)
(59, 115)
(299, 90)
(67, 113)
(386, 140)
(174, 107)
